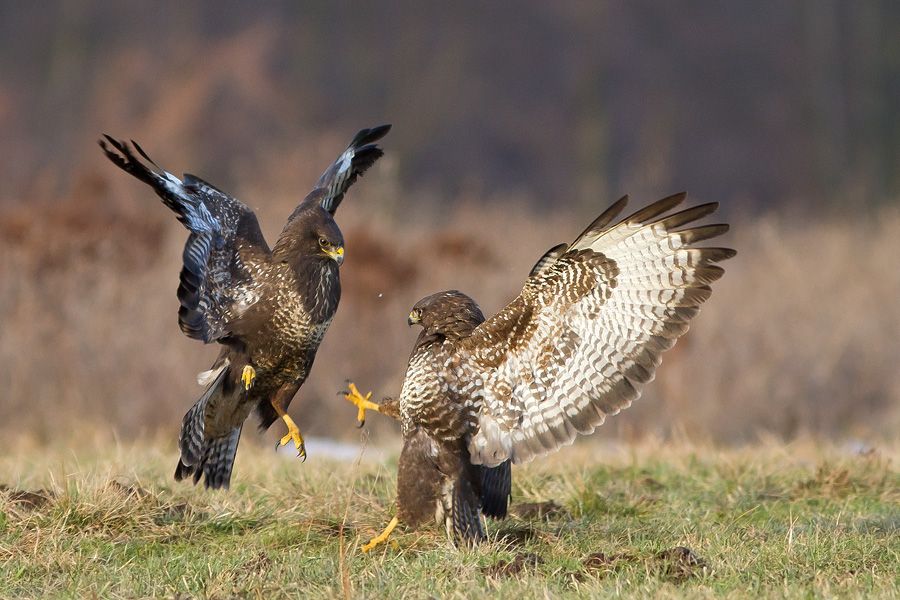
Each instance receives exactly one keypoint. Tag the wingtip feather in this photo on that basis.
(369, 135)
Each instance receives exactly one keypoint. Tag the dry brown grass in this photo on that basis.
(802, 334)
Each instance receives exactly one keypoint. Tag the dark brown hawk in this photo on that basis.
(268, 308)
(579, 342)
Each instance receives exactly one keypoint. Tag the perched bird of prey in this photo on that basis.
(579, 342)
(268, 308)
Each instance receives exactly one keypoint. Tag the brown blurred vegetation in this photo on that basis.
(801, 336)
(515, 124)
(767, 103)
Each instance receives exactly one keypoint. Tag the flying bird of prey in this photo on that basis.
(268, 308)
(578, 344)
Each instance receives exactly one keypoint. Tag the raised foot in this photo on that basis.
(361, 402)
(293, 435)
(248, 375)
(381, 537)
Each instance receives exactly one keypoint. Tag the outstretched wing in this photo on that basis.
(586, 332)
(224, 242)
(353, 162)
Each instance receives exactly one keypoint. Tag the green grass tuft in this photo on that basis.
(657, 520)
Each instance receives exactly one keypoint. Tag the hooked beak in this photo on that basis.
(337, 254)
(412, 319)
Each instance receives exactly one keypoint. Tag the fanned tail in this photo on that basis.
(199, 455)
(218, 460)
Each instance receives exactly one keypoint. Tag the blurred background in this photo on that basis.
(515, 124)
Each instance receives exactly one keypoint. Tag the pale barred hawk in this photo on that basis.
(578, 344)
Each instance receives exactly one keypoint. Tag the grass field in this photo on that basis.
(650, 520)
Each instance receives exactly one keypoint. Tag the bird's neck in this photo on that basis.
(320, 285)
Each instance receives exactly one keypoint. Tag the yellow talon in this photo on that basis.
(381, 537)
(361, 402)
(248, 375)
(293, 435)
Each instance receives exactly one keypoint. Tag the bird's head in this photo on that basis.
(328, 241)
(310, 233)
(450, 314)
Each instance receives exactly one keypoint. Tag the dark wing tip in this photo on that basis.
(688, 215)
(144, 154)
(714, 255)
(119, 146)
(657, 208)
(372, 134)
(605, 218)
(698, 234)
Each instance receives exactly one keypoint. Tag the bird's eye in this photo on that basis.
(323, 241)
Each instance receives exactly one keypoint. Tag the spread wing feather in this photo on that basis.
(547, 259)
(587, 331)
(353, 162)
(224, 241)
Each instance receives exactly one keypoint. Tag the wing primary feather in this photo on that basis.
(343, 173)
(372, 134)
(656, 209)
(604, 219)
(126, 161)
(217, 223)
(687, 215)
(144, 154)
(698, 234)
(711, 255)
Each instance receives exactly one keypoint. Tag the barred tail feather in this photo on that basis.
(496, 487)
(462, 517)
(218, 460)
(192, 441)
